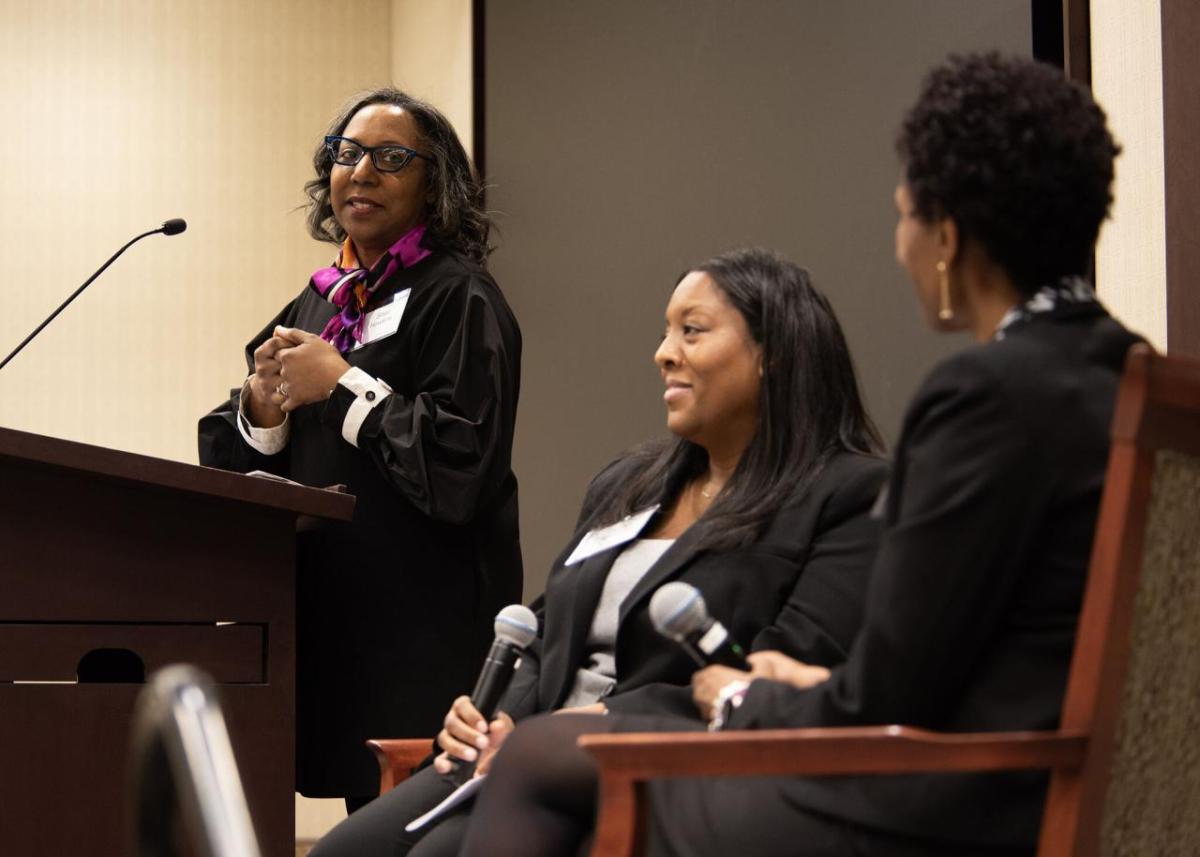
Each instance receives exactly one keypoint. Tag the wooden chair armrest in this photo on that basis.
(627, 760)
(397, 757)
(859, 750)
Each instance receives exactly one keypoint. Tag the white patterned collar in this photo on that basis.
(1069, 291)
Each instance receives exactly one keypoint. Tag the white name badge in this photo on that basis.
(598, 541)
(382, 322)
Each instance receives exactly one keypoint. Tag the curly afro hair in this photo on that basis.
(1018, 156)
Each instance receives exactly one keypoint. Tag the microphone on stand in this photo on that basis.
(516, 626)
(678, 611)
(171, 227)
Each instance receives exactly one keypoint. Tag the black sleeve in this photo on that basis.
(945, 571)
(448, 448)
(824, 610)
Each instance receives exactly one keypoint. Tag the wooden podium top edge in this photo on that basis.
(102, 463)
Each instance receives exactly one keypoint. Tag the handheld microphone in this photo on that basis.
(516, 626)
(171, 227)
(678, 611)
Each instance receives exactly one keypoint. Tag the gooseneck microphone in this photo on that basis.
(678, 611)
(171, 227)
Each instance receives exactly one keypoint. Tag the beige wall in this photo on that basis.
(431, 57)
(1131, 266)
(118, 116)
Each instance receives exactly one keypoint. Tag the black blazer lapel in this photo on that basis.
(577, 592)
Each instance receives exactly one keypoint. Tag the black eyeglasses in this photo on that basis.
(387, 159)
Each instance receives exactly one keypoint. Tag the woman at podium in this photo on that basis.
(395, 372)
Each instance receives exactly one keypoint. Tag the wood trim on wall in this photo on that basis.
(1181, 142)
(479, 86)
(1077, 40)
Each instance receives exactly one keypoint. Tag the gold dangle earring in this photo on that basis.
(945, 310)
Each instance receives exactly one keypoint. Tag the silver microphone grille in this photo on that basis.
(516, 624)
(677, 609)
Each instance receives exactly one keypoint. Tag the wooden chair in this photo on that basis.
(397, 757)
(1125, 766)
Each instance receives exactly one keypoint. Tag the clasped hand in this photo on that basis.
(776, 666)
(291, 369)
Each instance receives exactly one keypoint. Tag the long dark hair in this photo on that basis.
(809, 406)
(455, 218)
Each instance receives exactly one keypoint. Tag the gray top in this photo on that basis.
(596, 680)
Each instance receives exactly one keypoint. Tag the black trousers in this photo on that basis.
(377, 829)
(540, 801)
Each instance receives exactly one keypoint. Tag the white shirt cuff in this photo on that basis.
(368, 392)
(268, 441)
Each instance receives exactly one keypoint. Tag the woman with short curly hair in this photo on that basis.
(395, 373)
(1020, 163)
(974, 595)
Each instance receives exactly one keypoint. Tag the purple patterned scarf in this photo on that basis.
(349, 287)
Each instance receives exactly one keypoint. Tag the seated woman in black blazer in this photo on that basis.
(761, 500)
(975, 593)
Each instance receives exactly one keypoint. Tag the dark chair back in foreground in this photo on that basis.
(1125, 777)
(183, 769)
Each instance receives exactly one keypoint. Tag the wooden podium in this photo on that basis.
(111, 553)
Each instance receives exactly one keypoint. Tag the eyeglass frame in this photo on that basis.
(333, 140)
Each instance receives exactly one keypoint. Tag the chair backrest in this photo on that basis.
(1135, 678)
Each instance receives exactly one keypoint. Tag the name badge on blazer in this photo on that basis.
(382, 322)
(624, 530)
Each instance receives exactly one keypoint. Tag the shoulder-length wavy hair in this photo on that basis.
(809, 406)
(455, 217)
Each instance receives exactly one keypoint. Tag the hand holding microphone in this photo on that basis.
(678, 611)
(467, 738)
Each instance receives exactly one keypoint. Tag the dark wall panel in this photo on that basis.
(626, 139)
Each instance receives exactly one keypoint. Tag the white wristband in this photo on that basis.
(368, 392)
(728, 699)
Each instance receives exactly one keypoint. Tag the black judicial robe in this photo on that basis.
(395, 608)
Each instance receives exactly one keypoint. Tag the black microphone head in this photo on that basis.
(517, 625)
(677, 609)
(174, 226)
